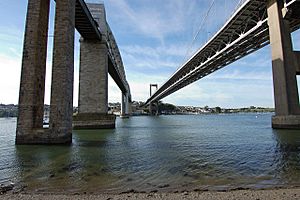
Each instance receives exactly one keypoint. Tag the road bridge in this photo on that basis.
(99, 55)
(254, 25)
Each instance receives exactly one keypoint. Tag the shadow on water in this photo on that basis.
(287, 155)
(75, 168)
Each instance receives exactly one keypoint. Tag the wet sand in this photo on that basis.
(274, 194)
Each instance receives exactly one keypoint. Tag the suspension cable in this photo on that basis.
(200, 29)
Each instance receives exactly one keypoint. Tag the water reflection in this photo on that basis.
(287, 155)
(72, 168)
(158, 153)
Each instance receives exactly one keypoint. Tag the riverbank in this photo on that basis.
(274, 194)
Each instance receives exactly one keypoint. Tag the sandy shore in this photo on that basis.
(274, 194)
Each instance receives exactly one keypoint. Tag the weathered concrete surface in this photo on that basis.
(93, 77)
(286, 122)
(123, 107)
(61, 105)
(126, 109)
(44, 136)
(99, 15)
(93, 87)
(284, 65)
(32, 86)
(94, 121)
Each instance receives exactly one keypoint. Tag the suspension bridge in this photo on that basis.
(255, 24)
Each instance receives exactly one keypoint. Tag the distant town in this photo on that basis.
(11, 110)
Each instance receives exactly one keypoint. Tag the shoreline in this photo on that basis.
(264, 194)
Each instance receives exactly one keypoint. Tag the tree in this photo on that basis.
(218, 110)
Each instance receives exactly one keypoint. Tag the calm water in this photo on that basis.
(172, 153)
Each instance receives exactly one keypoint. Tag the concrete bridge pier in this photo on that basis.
(93, 87)
(125, 106)
(153, 109)
(93, 79)
(61, 104)
(32, 87)
(285, 66)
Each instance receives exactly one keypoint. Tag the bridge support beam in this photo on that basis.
(129, 108)
(93, 87)
(124, 106)
(61, 105)
(32, 85)
(284, 64)
(153, 109)
(31, 101)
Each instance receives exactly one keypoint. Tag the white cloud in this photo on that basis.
(157, 51)
(9, 79)
(157, 21)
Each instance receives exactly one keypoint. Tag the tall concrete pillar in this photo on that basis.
(93, 87)
(61, 108)
(284, 65)
(153, 108)
(130, 108)
(124, 111)
(93, 79)
(126, 104)
(32, 85)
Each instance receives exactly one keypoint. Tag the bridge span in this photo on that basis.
(99, 55)
(254, 25)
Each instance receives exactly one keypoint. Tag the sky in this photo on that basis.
(155, 38)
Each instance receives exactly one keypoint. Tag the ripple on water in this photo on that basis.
(165, 153)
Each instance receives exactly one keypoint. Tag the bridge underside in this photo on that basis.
(248, 30)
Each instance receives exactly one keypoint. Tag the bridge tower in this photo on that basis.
(286, 65)
(153, 107)
(32, 86)
(93, 78)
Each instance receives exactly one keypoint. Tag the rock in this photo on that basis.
(164, 186)
(6, 187)
(129, 191)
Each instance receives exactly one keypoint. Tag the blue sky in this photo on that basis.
(154, 37)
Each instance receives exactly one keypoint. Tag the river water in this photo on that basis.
(165, 153)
